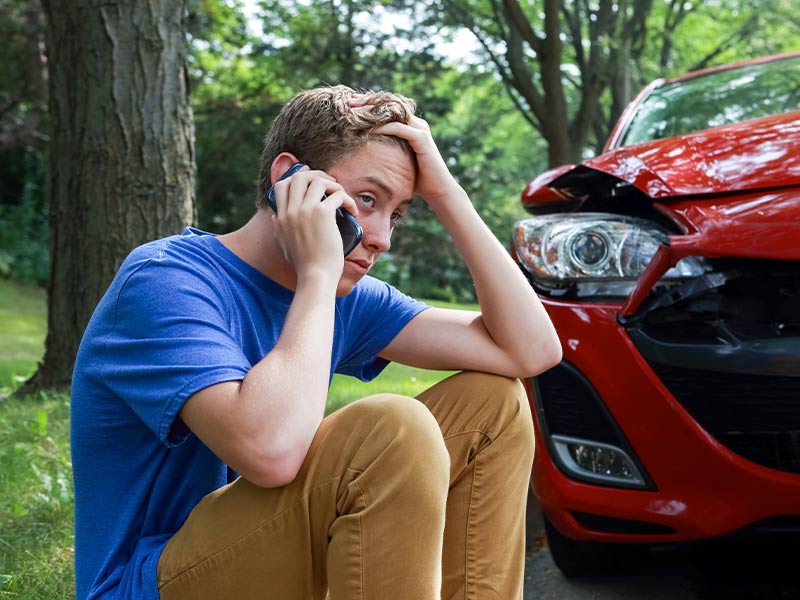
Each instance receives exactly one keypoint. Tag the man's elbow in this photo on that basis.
(553, 354)
(275, 468)
(271, 476)
(544, 356)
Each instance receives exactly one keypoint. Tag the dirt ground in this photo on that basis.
(730, 570)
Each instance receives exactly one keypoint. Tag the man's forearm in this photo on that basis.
(263, 425)
(511, 311)
(286, 392)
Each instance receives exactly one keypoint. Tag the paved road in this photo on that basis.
(739, 570)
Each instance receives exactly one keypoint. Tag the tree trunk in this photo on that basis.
(122, 154)
(554, 127)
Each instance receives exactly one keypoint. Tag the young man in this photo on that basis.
(203, 465)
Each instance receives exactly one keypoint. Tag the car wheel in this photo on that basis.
(577, 558)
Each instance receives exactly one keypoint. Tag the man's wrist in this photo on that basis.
(318, 277)
(454, 198)
(450, 196)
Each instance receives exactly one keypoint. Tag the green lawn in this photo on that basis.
(36, 500)
(36, 551)
(23, 323)
(35, 472)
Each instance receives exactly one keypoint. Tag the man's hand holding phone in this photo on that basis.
(349, 229)
(306, 204)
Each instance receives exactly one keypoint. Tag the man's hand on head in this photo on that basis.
(434, 182)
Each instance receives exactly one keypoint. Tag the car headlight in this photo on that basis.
(593, 254)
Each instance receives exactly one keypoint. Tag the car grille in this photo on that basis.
(570, 406)
(755, 416)
(712, 351)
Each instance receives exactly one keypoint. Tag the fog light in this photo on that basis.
(595, 460)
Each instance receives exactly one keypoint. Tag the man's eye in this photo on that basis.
(396, 218)
(368, 200)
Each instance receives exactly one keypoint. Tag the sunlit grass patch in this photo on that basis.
(36, 504)
(23, 315)
(395, 379)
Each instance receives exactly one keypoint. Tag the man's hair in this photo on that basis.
(320, 128)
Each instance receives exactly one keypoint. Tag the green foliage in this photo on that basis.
(721, 31)
(245, 65)
(12, 44)
(23, 209)
(234, 98)
(24, 252)
(23, 95)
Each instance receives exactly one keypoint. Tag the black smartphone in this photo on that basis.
(349, 228)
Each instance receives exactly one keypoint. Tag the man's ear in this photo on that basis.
(282, 163)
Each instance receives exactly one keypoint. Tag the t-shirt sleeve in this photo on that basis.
(170, 335)
(372, 316)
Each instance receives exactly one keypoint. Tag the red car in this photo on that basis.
(670, 265)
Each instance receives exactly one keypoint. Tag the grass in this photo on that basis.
(36, 551)
(398, 379)
(36, 545)
(36, 503)
(23, 314)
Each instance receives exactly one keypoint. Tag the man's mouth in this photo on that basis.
(362, 263)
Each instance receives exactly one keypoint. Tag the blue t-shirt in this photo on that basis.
(182, 313)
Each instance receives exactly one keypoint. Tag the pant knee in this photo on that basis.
(489, 384)
(496, 403)
(410, 437)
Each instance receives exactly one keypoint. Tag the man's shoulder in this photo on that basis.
(372, 295)
(367, 292)
(180, 245)
(190, 250)
(168, 275)
(374, 289)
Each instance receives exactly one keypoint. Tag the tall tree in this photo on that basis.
(121, 156)
(571, 66)
(557, 58)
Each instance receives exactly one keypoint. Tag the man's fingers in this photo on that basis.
(342, 199)
(308, 192)
(308, 189)
(358, 100)
(401, 130)
(294, 189)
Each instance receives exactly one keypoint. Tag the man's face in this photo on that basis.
(380, 178)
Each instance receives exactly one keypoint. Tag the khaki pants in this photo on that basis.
(397, 499)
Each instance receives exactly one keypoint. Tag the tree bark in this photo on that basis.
(122, 155)
(554, 128)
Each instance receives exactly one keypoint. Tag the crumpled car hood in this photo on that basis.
(752, 155)
(733, 190)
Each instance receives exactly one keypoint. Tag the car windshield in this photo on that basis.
(716, 99)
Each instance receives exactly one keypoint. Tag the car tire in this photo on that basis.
(578, 558)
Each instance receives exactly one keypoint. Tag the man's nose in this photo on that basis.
(377, 235)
